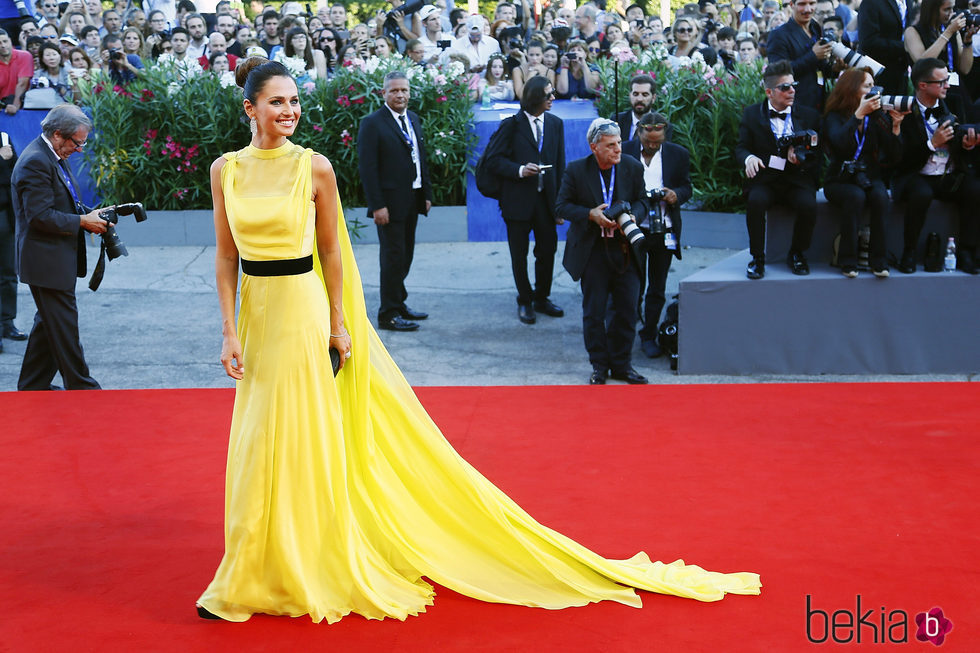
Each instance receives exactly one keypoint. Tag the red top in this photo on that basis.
(21, 64)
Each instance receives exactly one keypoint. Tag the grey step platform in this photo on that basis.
(825, 323)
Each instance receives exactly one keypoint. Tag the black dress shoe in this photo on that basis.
(756, 268)
(204, 613)
(629, 375)
(797, 263)
(525, 313)
(965, 262)
(548, 307)
(598, 377)
(10, 332)
(409, 314)
(907, 263)
(396, 323)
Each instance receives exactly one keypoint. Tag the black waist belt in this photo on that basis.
(280, 268)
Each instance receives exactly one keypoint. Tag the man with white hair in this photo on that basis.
(597, 252)
(585, 23)
(476, 45)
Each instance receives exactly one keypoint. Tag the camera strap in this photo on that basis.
(99, 270)
(860, 135)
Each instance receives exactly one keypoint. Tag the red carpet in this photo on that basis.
(112, 506)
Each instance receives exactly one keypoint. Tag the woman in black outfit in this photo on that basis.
(940, 34)
(860, 139)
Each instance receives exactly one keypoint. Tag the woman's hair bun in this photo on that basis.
(245, 67)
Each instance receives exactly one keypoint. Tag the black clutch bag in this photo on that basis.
(335, 360)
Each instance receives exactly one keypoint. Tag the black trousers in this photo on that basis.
(397, 240)
(54, 345)
(849, 201)
(8, 273)
(762, 197)
(918, 195)
(658, 262)
(545, 245)
(610, 274)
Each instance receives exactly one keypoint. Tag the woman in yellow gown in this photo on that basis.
(341, 493)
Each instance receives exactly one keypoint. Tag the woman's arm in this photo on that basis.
(561, 82)
(320, 64)
(328, 249)
(518, 77)
(226, 278)
(965, 63)
(590, 77)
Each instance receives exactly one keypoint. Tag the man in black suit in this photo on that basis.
(529, 140)
(51, 249)
(798, 41)
(642, 94)
(881, 27)
(597, 252)
(934, 166)
(777, 174)
(666, 173)
(8, 269)
(396, 184)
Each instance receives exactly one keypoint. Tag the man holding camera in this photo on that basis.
(934, 162)
(800, 42)
(599, 195)
(529, 158)
(773, 138)
(881, 28)
(433, 39)
(667, 176)
(50, 247)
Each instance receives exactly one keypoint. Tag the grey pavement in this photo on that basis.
(155, 322)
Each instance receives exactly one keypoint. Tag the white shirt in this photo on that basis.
(534, 133)
(653, 174)
(415, 145)
(50, 146)
(936, 164)
(478, 53)
(196, 51)
(781, 127)
(431, 47)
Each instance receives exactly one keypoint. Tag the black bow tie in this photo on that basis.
(775, 114)
(934, 112)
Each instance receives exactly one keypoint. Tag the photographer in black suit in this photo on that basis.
(51, 249)
(396, 185)
(881, 24)
(934, 166)
(799, 42)
(8, 269)
(666, 173)
(598, 253)
(777, 174)
(529, 158)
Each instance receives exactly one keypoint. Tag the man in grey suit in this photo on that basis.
(50, 249)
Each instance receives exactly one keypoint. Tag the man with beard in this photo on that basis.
(666, 172)
(799, 42)
(642, 95)
(227, 27)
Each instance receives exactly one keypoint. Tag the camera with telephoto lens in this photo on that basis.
(619, 213)
(22, 9)
(853, 59)
(855, 172)
(391, 28)
(114, 247)
(893, 102)
(972, 20)
(801, 142)
(655, 220)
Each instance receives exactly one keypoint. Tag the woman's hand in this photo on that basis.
(231, 357)
(956, 24)
(342, 344)
(897, 118)
(867, 106)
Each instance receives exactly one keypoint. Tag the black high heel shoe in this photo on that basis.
(203, 613)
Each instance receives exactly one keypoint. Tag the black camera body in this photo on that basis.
(829, 36)
(801, 141)
(114, 247)
(972, 20)
(855, 172)
(655, 217)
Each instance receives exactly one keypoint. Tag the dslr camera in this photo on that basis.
(801, 141)
(972, 20)
(114, 247)
(619, 213)
(655, 222)
(855, 172)
(895, 102)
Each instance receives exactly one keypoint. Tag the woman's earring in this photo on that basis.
(253, 126)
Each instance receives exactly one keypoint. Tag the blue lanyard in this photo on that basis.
(949, 51)
(860, 141)
(607, 193)
(63, 167)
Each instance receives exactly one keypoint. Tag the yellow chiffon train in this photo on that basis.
(342, 494)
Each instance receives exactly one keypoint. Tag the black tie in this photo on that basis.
(933, 112)
(775, 114)
(408, 136)
(537, 137)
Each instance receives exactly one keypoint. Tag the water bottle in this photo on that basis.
(486, 99)
(949, 263)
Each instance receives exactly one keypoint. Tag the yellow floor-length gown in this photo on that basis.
(341, 494)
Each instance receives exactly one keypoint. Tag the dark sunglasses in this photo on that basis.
(784, 87)
(683, 30)
(653, 127)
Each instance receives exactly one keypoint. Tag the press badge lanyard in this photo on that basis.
(63, 167)
(860, 141)
(954, 77)
(607, 195)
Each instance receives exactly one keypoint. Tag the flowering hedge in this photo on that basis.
(154, 140)
(704, 106)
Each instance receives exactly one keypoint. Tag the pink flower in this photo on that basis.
(441, 98)
(343, 101)
(358, 100)
(146, 95)
(309, 86)
(317, 128)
